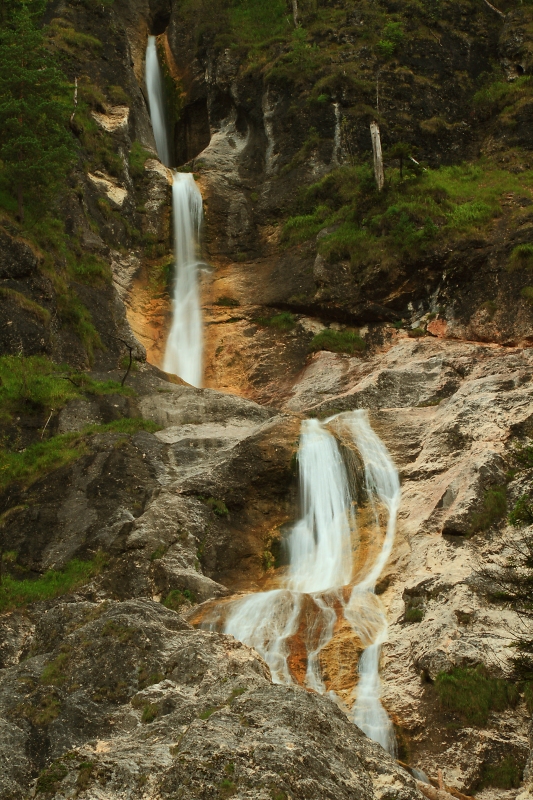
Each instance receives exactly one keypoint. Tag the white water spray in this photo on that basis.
(184, 348)
(320, 588)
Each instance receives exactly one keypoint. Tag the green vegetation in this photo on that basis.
(50, 778)
(414, 615)
(137, 159)
(506, 774)
(407, 217)
(392, 37)
(283, 322)
(230, 302)
(494, 509)
(35, 384)
(16, 593)
(521, 257)
(522, 512)
(150, 712)
(473, 694)
(177, 598)
(527, 294)
(227, 788)
(208, 712)
(36, 149)
(26, 304)
(337, 342)
(55, 671)
(218, 507)
(38, 459)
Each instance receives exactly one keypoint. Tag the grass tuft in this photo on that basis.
(337, 342)
(17, 593)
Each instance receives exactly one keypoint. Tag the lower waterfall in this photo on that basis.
(350, 491)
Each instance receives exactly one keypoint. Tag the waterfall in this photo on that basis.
(184, 348)
(183, 353)
(156, 100)
(330, 581)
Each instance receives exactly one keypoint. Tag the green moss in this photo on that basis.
(16, 593)
(473, 694)
(494, 509)
(337, 342)
(414, 615)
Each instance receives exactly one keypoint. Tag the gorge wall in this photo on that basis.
(154, 501)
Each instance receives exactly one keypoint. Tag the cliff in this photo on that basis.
(127, 512)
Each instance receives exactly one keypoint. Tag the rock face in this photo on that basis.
(126, 697)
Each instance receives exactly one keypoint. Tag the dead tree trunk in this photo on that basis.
(295, 13)
(378, 156)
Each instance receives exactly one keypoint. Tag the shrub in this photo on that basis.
(472, 694)
(494, 508)
(177, 598)
(507, 774)
(414, 615)
(337, 342)
(522, 512)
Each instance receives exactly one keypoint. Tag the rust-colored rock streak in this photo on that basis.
(322, 627)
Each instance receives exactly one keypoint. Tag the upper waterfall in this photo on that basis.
(184, 348)
(156, 100)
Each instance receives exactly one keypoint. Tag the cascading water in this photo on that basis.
(326, 588)
(156, 100)
(184, 348)
(183, 354)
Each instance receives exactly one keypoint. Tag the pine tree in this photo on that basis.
(36, 148)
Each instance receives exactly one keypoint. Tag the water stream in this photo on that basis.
(350, 495)
(184, 348)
